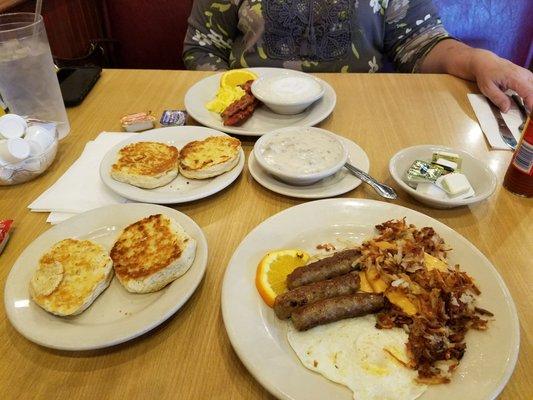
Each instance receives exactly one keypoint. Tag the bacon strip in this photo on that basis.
(240, 110)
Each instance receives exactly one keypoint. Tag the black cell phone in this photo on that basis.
(76, 82)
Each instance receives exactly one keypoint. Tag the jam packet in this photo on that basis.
(137, 122)
(173, 118)
(5, 226)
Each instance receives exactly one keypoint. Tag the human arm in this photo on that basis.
(210, 34)
(411, 29)
(493, 74)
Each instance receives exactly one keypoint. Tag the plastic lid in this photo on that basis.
(12, 126)
(18, 148)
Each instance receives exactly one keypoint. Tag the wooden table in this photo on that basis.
(189, 356)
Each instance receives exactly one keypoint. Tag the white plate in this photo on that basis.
(181, 189)
(116, 315)
(260, 340)
(263, 120)
(339, 183)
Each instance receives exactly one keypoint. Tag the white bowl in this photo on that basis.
(480, 177)
(289, 92)
(289, 176)
(31, 167)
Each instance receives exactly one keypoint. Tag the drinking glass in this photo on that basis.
(28, 80)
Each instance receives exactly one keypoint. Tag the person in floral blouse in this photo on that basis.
(343, 36)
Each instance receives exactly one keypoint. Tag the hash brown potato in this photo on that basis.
(202, 159)
(70, 276)
(146, 164)
(151, 253)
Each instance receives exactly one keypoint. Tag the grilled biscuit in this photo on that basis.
(70, 276)
(151, 253)
(210, 157)
(146, 164)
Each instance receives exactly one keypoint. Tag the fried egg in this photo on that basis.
(354, 353)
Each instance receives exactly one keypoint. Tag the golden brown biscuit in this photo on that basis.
(151, 253)
(210, 157)
(70, 276)
(146, 164)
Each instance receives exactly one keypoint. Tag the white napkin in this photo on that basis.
(56, 217)
(80, 188)
(488, 122)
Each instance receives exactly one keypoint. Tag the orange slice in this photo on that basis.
(236, 77)
(272, 271)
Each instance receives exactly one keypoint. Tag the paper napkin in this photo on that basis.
(488, 123)
(80, 188)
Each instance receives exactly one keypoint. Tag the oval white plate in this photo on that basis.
(334, 185)
(260, 340)
(482, 179)
(263, 120)
(181, 189)
(116, 315)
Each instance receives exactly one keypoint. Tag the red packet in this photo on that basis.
(5, 226)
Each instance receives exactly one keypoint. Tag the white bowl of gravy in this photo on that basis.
(300, 155)
(288, 92)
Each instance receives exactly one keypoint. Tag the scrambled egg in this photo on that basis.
(224, 97)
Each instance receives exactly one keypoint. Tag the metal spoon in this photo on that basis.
(380, 188)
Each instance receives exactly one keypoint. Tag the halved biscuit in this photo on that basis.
(146, 164)
(151, 253)
(70, 276)
(210, 157)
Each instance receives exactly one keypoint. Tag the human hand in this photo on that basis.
(494, 75)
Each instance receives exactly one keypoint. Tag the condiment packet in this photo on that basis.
(452, 157)
(469, 193)
(423, 171)
(431, 189)
(173, 118)
(5, 226)
(137, 122)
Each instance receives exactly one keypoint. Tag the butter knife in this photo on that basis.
(518, 101)
(505, 132)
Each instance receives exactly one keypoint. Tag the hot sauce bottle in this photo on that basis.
(519, 176)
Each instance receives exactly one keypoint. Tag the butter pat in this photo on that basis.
(430, 189)
(446, 164)
(455, 184)
(453, 157)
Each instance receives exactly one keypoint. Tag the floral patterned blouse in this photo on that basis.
(311, 35)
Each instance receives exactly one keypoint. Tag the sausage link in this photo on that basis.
(336, 308)
(338, 264)
(287, 302)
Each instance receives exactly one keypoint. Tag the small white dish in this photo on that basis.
(181, 189)
(41, 135)
(260, 338)
(334, 185)
(289, 92)
(12, 126)
(116, 315)
(480, 176)
(300, 155)
(263, 120)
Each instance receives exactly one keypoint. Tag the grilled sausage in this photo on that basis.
(336, 308)
(287, 302)
(339, 263)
